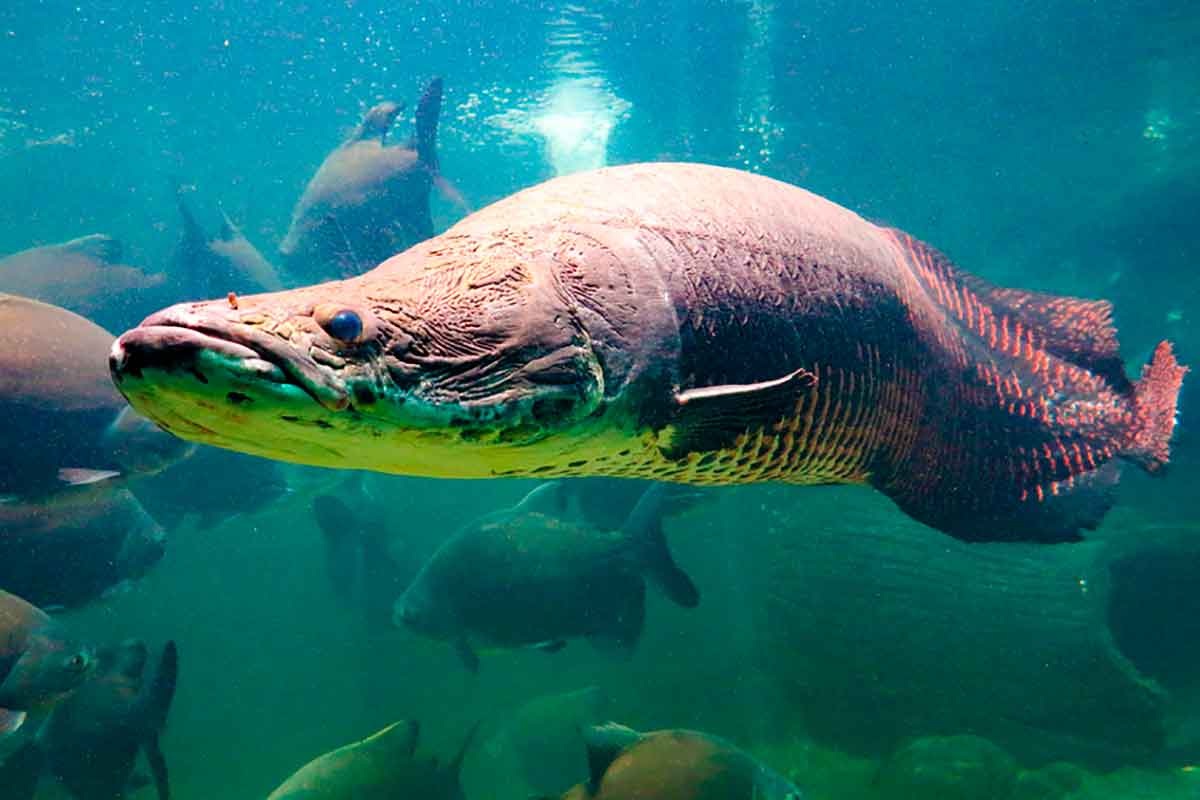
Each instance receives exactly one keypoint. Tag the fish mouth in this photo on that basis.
(183, 342)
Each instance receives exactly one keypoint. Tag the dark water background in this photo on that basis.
(1051, 145)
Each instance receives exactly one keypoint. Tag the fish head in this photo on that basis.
(427, 607)
(51, 667)
(420, 367)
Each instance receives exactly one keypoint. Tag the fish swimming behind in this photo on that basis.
(678, 322)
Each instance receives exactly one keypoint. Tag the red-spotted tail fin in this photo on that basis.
(1154, 399)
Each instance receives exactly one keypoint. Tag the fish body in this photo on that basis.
(679, 322)
(90, 742)
(39, 662)
(524, 578)
(84, 275)
(674, 765)
(76, 545)
(57, 404)
(383, 766)
(212, 486)
(543, 738)
(367, 200)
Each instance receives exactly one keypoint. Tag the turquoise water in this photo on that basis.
(1051, 146)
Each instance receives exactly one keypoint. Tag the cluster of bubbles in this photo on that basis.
(757, 133)
(570, 110)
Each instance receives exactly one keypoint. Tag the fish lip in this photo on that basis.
(182, 330)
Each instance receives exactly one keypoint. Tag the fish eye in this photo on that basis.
(78, 662)
(345, 325)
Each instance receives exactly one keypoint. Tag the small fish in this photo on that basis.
(525, 578)
(380, 767)
(39, 662)
(673, 765)
(91, 740)
(367, 201)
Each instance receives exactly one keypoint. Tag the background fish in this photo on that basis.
(74, 546)
(40, 663)
(205, 266)
(367, 200)
(381, 766)
(524, 578)
(674, 765)
(84, 275)
(90, 741)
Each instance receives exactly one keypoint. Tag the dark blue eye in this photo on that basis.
(345, 325)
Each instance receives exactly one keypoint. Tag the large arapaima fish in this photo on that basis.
(679, 322)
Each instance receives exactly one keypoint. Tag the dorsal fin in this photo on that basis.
(545, 498)
(193, 234)
(377, 121)
(429, 108)
(396, 740)
(229, 231)
(99, 246)
(1078, 331)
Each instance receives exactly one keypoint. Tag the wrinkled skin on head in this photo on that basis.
(39, 663)
(444, 361)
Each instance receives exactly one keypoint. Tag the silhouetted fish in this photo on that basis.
(90, 741)
(40, 663)
(525, 578)
(83, 275)
(380, 767)
(207, 266)
(367, 201)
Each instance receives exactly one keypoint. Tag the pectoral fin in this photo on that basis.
(711, 418)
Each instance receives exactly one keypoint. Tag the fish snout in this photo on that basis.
(191, 337)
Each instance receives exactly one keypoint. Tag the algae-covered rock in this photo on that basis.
(1057, 781)
(948, 768)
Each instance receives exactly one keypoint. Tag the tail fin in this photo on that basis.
(1155, 397)
(644, 526)
(341, 529)
(429, 108)
(158, 704)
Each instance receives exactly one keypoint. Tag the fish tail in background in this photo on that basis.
(158, 698)
(1155, 397)
(341, 531)
(19, 773)
(455, 765)
(10, 721)
(1025, 408)
(192, 246)
(644, 528)
(429, 109)
(381, 583)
